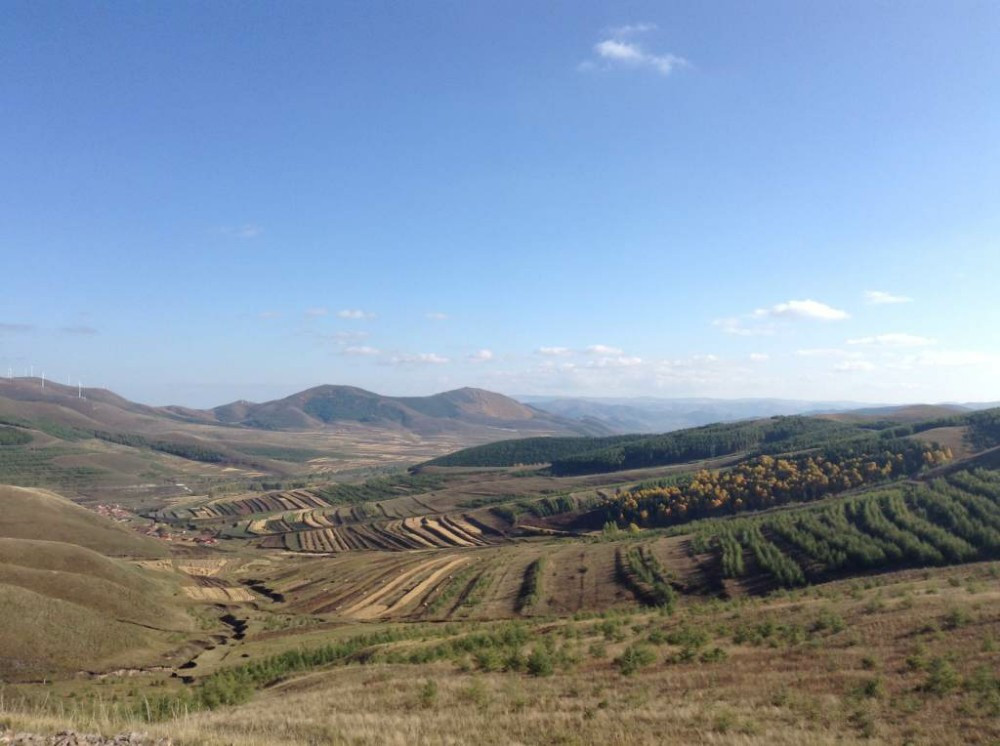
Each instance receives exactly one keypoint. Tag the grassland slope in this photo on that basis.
(64, 604)
(46, 516)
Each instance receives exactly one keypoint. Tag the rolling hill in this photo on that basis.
(566, 456)
(464, 410)
(40, 515)
(66, 599)
(83, 441)
(654, 415)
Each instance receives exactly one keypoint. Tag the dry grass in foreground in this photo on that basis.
(905, 658)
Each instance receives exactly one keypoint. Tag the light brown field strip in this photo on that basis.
(358, 610)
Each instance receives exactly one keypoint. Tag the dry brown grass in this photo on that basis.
(806, 681)
(43, 515)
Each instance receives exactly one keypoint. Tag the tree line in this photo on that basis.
(948, 521)
(765, 482)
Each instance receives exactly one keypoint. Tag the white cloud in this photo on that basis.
(853, 366)
(759, 357)
(355, 313)
(615, 361)
(553, 365)
(315, 313)
(763, 321)
(893, 340)
(631, 28)
(955, 358)
(247, 230)
(423, 358)
(880, 297)
(362, 350)
(268, 314)
(437, 316)
(554, 351)
(740, 328)
(618, 50)
(481, 356)
(605, 350)
(802, 309)
(344, 337)
(825, 352)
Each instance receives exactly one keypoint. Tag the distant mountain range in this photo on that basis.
(474, 413)
(653, 415)
(469, 414)
(449, 412)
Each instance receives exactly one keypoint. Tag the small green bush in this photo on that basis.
(635, 657)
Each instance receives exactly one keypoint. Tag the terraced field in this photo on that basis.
(207, 579)
(417, 532)
(239, 507)
(482, 582)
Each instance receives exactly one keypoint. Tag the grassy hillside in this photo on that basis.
(64, 605)
(43, 515)
(90, 580)
(460, 411)
(89, 442)
(570, 456)
(525, 451)
(721, 581)
(903, 658)
(43, 635)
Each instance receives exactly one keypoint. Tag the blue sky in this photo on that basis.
(209, 201)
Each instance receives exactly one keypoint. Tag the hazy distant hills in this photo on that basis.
(87, 442)
(452, 412)
(652, 415)
(469, 412)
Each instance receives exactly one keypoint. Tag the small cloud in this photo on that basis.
(802, 309)
(763, 322)
(315, 313)
(268, 314)
(616, 52)
(437, 316)
(893, 340)
(423, 358)
(880, 297)
(554, 351)
(619, 50)
(853, 366)
(361, 351)
(615, 361)
(740, 328)
(81, 330)
(824, 352)
(16, 328)
(355, 313)
(629, 29)
(481, 356)
(344, 337)
(759, 357)
(603, 350)
(245, 231)
(955, 358)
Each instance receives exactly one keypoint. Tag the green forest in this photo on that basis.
(766, 482)
(783, 434)
(950, 520)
